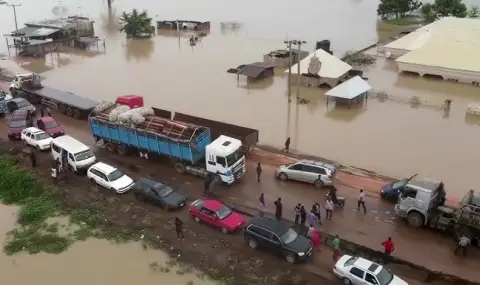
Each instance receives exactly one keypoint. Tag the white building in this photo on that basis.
(449, 48)
(331, 70)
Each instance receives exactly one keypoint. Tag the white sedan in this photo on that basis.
(109, 177)
(360, 271)
(36, 138)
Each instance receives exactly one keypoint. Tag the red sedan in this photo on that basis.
(215, 213)
(50, 126)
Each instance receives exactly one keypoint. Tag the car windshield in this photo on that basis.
(22, 103)
(18, 124)
(162, 190)
(51, 125)
(223, 212)
(289, 236)
(384, 276)
(234, 157)
(399, 184)
(42, 136)
(83, 155)
(115, 175)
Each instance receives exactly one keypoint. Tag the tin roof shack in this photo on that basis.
(255, 71)
(70, 26)
(183, 25)
(281, 58)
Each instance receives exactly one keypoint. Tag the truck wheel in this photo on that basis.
(69, 111)
(180, 167)
(61, 108)
(122, 150)
(110, 147)
(415, 219)
(76, 114)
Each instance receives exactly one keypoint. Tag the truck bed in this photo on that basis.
(67, 98)
(249, 137)
(468, 212)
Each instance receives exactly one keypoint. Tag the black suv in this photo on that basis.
(274, 236)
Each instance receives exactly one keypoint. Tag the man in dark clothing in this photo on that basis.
(42, 111)
(303, 215)
(297, 213)
(179, 228)
(389, 247)
(259, 172)
(33, 158)
(278, 209)
(207, 183)
(287, 145)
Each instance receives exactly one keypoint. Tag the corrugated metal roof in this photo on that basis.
(35, 32)
(332, 67)
(350, 89)
(254, 69)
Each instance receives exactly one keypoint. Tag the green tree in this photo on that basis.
(473, 12)
(137, 24)
(428, 12)
(445, 8)
(397, 8)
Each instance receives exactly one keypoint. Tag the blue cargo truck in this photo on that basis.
(192, 151)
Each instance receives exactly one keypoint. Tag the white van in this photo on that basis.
(77, 155)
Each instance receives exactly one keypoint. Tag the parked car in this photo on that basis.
(20, 104)
(51, 126)
(36, 138)
(360, 271)
(18, 122)
(215, 213)
(159, 194)
(317, 173)
(278, 238)
(392, 190)
(109, 177)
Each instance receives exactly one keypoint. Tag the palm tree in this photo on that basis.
(137, 24)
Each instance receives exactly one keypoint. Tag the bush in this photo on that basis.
(36, 209)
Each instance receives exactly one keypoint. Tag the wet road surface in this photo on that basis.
(370, 230)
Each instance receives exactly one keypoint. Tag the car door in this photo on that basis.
(295, 172)
(356, 275)
(26, 136)
(153, 197)
(312, 173)
(276, 244)
(262, 236)
(370, 279)
(71, 161)
(206, 215)
(33, 140)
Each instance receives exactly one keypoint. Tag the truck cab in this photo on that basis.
(225, 158)
(420, 201)
(25, 80)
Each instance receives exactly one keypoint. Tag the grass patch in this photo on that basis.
(33, 239)
(406, 21)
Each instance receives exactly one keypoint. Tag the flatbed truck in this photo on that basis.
(29, 86)
(422, 204)
(223, 158)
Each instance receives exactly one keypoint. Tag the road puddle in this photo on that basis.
(94, 262)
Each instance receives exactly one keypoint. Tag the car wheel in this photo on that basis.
(197, 219)
(291, 258)
(347, 281)
(283, 176)
(224, 230)
(93, 181)
(252, 243)
(318, 183)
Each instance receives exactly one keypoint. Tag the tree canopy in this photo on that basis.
(136, 24)
(445, 8)
(397, 8)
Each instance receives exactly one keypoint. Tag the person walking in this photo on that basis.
(328, 208)
(287, 146)
(389, 247)
(316, 240)
(316, 212)
(462, 245)
(278, 209)
(361, 201)
(42, 111)
(261, 199)
(54, 174)
(33, 158)
(297, 213)
(259, 172)
(336, 248)
(303, 215)
(310, 231)
(179, 228)
(311, 218)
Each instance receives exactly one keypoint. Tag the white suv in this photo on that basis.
(36, 138)
(317, 173)
(109, 177)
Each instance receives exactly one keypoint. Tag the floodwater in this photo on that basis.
(389, 136)
(95, 262)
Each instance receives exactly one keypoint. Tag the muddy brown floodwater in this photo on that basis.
(390, 137)
(95, 262)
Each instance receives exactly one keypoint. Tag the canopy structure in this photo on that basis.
(349, 90)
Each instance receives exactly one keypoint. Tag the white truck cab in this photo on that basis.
(19, 78)
(225, 157)
(419, 199)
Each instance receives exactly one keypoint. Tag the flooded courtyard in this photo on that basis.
(388, 136)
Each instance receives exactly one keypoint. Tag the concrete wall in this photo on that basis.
(463, 76)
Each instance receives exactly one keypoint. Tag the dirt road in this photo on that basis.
(368, 230)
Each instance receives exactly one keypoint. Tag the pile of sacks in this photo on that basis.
(135, 116)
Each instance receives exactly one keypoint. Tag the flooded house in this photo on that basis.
(183, 25)
(447, 49)
(281, 58)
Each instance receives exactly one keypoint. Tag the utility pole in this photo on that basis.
(109, 3)
(289, 79)
(14, 6)
(299, 44)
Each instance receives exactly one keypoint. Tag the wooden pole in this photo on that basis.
(109, 3)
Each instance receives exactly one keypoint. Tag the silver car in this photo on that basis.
(317, 173)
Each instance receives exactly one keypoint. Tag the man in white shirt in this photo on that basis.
(361, 201)
(329, 208)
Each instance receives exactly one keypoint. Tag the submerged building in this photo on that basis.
(448, 48)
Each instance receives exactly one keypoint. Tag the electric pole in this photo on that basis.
(299, 44)
(14, 6)
(289, 79)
